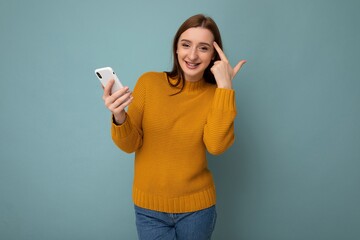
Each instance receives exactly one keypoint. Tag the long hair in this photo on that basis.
(198, 20)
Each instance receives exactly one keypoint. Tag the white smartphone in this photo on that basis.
(105, 75)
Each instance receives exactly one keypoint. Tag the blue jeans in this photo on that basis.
(153, 225)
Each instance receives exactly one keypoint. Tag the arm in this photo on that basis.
(126, 130)
(219, 128)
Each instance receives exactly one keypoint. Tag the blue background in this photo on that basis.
(293, 172)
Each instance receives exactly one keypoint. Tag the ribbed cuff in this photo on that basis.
(224, 99)
(123, 129)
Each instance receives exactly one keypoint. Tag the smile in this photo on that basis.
(192, 65)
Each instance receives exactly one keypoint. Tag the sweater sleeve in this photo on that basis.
(219, 128)
(129, 135)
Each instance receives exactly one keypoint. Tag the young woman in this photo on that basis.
(173, 118)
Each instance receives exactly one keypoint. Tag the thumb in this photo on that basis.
(238, 66)
(107, 88)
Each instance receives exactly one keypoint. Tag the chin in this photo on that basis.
(192, 74)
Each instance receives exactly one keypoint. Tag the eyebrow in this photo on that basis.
(201, 43)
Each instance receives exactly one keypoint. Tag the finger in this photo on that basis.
(121, 108)
(220, 52)
(238, 66)
(119, 93)
(120, 101)
(123, 105)
(111, 100)
(107, 88)
(127, 102)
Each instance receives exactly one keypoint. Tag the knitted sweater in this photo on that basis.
(170, 136)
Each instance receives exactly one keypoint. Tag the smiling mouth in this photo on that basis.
(192, 65)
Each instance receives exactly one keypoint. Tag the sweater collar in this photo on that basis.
(192, 86)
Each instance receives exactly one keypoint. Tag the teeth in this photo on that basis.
(192, 64)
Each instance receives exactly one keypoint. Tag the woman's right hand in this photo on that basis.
(117, 102)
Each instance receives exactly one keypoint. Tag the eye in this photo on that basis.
(204, 49)
(185, 45)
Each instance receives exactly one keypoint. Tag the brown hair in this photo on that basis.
(198, 20)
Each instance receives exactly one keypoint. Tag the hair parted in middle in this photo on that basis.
(199, 20)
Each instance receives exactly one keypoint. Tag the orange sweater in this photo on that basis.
(170, 136)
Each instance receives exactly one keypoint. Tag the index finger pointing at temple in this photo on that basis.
(220, 52)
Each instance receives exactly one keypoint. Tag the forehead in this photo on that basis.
(197, 34)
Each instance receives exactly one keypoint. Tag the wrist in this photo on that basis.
(226, 86)
(224, 83)
(120, 118)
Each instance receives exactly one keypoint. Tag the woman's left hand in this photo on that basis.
(222, 70)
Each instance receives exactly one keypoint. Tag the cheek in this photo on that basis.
(179, 54)
(207, 59)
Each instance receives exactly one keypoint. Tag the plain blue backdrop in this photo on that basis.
(293, 172)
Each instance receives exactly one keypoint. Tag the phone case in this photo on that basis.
(105, 75)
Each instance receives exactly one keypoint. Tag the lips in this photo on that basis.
(191, 65)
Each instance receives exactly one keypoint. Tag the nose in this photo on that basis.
(193, 55)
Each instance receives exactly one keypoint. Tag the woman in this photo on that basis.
(172, 120)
